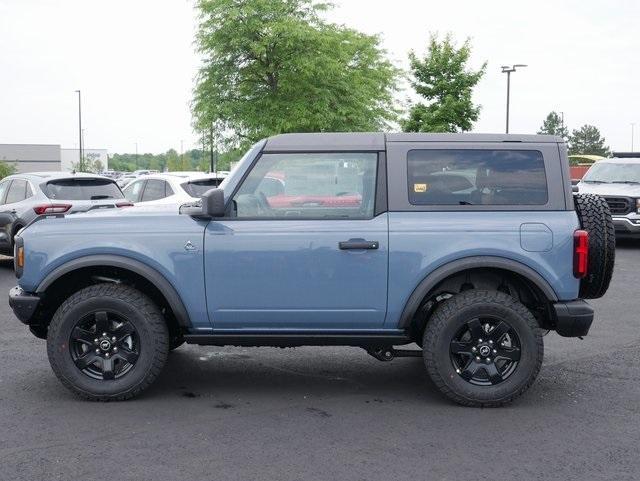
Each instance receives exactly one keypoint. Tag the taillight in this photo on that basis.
(580, 253)
(124, 204)
(51, 209)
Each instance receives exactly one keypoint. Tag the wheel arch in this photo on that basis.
(459, 266)
(95, 263)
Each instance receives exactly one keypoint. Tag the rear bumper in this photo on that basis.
(573, 318)
(24, 304)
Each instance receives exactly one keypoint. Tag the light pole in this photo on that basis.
(80, 156)
(508, 69)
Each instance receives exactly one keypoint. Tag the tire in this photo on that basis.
(114, 367)
(460, 376)
(595, 218)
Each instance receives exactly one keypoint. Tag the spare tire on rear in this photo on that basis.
(595, 218)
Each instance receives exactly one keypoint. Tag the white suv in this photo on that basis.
(172, 188)
(617, 180)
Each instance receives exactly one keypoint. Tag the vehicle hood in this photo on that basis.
(626, 190)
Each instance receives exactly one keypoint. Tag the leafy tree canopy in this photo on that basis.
(275, 66)
(172, 161)
(587, 140)
(444, 80)
(6, 169)
(553, 125)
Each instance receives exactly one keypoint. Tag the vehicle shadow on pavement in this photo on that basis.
(236, 373)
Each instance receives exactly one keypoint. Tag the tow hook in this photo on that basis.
(387, 354)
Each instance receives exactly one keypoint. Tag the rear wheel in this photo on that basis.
(482, 348)
(107, 342)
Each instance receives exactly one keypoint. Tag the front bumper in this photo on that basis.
(627, 225)
(24, 304)
(573, 318)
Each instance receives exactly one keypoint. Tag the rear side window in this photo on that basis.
(82, 189)
(198, 187)
(154, 190)
(476, 177)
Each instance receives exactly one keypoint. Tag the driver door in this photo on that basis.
(303, 247)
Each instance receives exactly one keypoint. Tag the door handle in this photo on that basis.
(358, 244)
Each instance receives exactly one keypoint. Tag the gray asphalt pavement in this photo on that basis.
(331, 413)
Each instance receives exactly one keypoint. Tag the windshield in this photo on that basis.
(250, 154)
(82, 189)
(611, 172)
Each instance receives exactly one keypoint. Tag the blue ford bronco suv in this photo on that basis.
(471, 246)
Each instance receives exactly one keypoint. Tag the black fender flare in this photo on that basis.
(123, 262)
(459, 265)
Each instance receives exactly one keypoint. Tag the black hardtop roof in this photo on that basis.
(373, 141)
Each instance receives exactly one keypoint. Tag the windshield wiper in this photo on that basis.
(465, 202)
(624, 182)
(594, 181)
(100, 197)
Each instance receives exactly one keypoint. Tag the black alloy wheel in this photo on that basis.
(485, 351)
(108, 342)
(104, 345)
(482, 348)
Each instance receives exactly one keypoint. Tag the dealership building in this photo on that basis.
(42, 157)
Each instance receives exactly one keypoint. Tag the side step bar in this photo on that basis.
(294, 339)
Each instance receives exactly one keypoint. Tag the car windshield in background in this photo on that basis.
(199, 187)
(82, 189)
(611, 173)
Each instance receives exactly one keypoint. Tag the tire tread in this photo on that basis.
(144, 305)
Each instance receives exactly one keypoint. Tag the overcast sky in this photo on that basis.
(135, 63)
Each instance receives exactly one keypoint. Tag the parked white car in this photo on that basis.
(125, 179)
(172, 188)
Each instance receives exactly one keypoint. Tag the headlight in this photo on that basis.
(638, 206)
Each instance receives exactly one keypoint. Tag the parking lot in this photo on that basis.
(330, 413)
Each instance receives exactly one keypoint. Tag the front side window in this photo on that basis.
(17, 191)
(132, 191)
(476, 177)
(309, 186)
(3, 189)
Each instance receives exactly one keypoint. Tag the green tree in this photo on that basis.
(444, 80)
(587, 140)
(274, 66)
(6, 169)
(173, 161)
(553, 125)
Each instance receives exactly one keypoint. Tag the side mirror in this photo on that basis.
(213, 203)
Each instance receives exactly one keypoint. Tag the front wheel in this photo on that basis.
(482, 348)
(107, 342)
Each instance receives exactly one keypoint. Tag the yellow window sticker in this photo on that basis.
(420, 187)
